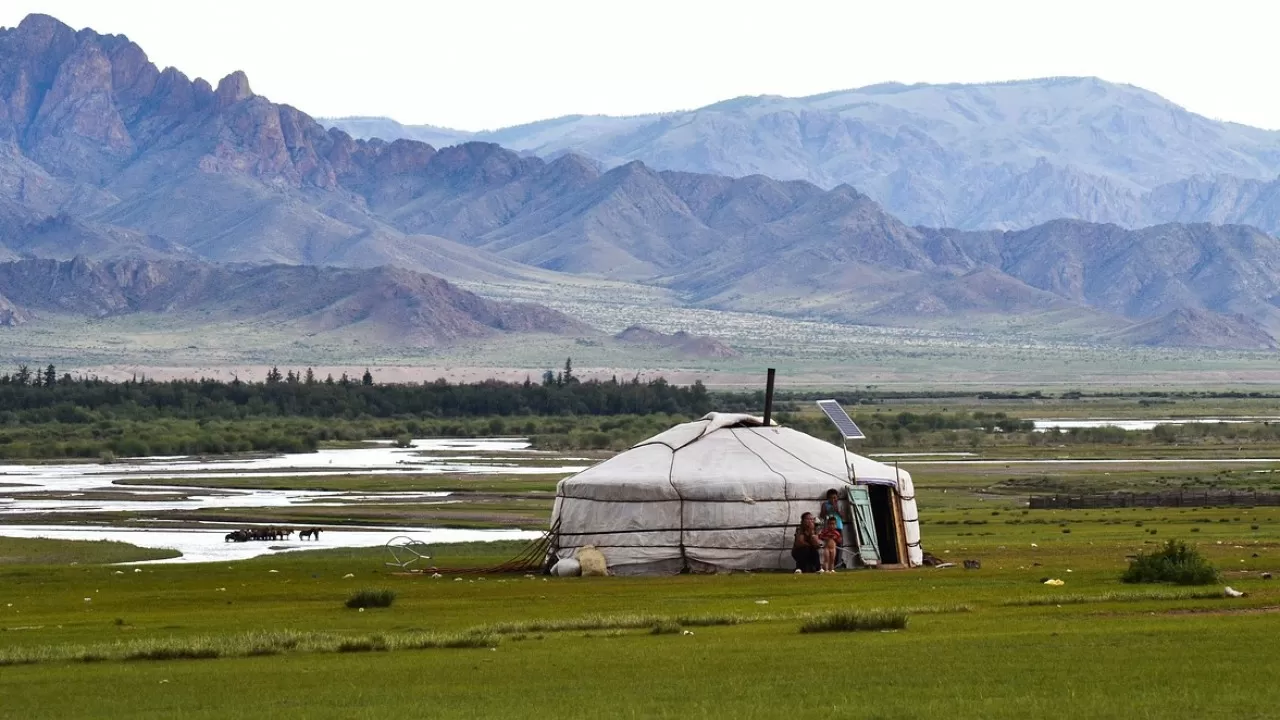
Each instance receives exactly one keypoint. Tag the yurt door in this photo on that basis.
(864, 521)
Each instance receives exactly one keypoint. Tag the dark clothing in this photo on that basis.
(806, 558)
(806, 548)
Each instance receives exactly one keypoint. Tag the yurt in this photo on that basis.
(726, 492)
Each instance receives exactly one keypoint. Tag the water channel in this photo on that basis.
(72, 488)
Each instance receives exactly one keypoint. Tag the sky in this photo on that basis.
(484, 64)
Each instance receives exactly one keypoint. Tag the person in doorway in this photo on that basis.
(831, 509)
(806, 549)
(831, 538)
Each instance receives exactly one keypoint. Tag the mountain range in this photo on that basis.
(989, 156)
(107, 159)
(385, 305)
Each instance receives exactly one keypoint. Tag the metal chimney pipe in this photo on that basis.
(768, 397)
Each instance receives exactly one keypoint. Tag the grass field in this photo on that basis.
(994, 642)
(81, 637)
(42, 551)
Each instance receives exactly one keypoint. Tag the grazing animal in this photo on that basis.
(972, 564)
(309, 534)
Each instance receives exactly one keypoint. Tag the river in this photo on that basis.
(78, 488)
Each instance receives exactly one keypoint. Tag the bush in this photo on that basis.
(855, 620)
(665, 627)
(1176, 563)
(371, 599)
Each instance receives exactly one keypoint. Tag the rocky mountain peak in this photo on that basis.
(38, 31)
(232, 89)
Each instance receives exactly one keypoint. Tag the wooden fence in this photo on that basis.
(1173, 498)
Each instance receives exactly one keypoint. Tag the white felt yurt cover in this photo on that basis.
(721, 493)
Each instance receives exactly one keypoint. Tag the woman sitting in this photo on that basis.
(806, 550)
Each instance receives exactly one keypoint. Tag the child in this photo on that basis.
(831, 508)
(831, 540)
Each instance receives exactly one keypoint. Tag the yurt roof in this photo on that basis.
(733, 447)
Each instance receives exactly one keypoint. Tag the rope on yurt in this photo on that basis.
(671, 479)
(531, 558)
(848, 469)
(903, 498)
(786, 489)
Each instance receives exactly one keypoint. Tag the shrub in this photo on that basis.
(665, 627)
(174, 652)
(404, 441)
(373, 643)
(1176, 562)
(855, 620)
(380, 598)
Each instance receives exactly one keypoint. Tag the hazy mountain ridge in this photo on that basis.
(104, 155)
(1195, 328)
(995, 155)
(701, 346)
(386, 304)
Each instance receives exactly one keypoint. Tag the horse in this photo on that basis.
(309, 534)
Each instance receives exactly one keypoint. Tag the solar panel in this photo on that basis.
(838, 417)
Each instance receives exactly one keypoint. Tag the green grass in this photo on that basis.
(855, 621)
(380, 598)
(169, 641)
(993, 643)
(43, 551)
(249, 644)
(1176, 563)
(1115, 597)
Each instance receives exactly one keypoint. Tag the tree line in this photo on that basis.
(27, 396)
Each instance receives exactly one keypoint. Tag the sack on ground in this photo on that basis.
(593, 562)
(566, 567)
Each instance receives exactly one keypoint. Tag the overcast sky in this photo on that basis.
(478, 64)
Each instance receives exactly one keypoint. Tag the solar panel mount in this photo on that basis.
(838, 417)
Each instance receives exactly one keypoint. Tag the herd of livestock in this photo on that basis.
(271, 533)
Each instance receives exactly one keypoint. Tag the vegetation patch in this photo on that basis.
(665, 627)
(251, 644)
(45, 551)
(1113, 597)
(855, 620)
(1176, 562)
(377, 598)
